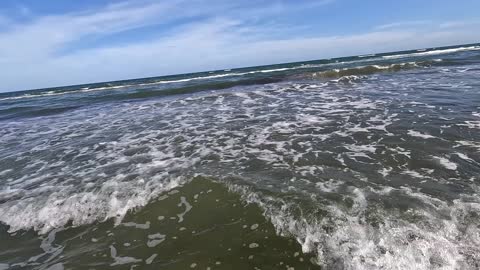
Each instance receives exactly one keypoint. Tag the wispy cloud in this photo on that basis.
(457, 24)
(43, 36)
(404, 24)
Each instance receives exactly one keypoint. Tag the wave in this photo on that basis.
(61, 93)
(83, 207)
(367, 55)
(362, 235)
(222, 75)
(191, 89)
(160, 82)
(215, 85)
(369, 70)
(347, 75)
(43, 94)
(357, 232)
(158, 225)
(28, 112)
(433, 52)
(185, 80)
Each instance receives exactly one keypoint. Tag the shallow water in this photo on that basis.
(365, 163)
(199, 225)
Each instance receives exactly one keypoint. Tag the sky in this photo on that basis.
(64, 42)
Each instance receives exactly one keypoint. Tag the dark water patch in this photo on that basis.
(28, 112)
(196, 226)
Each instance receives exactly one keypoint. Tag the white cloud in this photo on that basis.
(403, 24)
(44, 36)
(457, 24)
(31, 51)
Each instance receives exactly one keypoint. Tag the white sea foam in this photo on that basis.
(253, 245)
(80, 208)
(413, 174)
(150, 259)
(445, 162)
(367, 55)
(393, 243)
(465, 157)
(155, 239)
(468, 144)
(45, 94)
(145, 226)
(188, 207)
(121, 260)
(471, 124)
(414, 133)
(329, 186)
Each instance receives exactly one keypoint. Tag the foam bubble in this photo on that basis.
(121, 260)
(155, 239)
(188, 207)
(445, 162)
(253, 245)
(420, 135)
(150, 259)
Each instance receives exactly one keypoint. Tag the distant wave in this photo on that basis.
(160, 82)
(197, 88)
(423, 52)
(224, 75)
(32, 111)
(367, 55)
(211, 84)
(371, 69)
(87, 89)
(43, 94)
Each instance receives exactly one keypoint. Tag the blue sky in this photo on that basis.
(59, 42)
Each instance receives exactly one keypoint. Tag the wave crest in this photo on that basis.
(369, 70)
(367, 236)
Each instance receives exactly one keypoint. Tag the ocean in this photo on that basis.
(363, 162)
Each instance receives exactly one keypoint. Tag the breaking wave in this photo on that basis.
(365, 235)
(371, 69)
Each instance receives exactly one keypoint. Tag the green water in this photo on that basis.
(219, 231)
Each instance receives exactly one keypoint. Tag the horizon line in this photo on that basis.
(244, 67)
